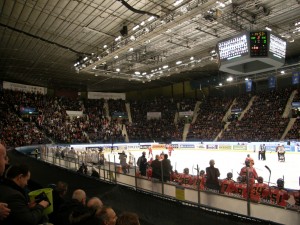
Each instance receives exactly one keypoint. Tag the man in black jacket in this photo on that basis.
(156, 168)
(166, 168)
(4, 210)
(212, 176)
(12, 191)
(142, 164)
(75, 211)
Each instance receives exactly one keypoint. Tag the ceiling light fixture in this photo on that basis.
(177, 2)
(136, 27)
(268, 28)
(229, 79)
(151, 18)
(118, 38)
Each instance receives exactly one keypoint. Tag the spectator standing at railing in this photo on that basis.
(123, 163)
(212, 176)
(156, 168)
(142, 164)
(166, 168)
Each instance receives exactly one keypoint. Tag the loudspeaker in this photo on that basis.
(124, 31)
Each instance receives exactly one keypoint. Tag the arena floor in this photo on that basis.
(229, 161)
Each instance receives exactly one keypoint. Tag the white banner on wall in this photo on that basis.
(153, 115)
(24, 88)
(106, 95)
(186, 113)
(74, 113)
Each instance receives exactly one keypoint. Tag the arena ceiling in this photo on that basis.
(124, 45)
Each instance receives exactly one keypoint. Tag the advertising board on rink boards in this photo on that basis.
(225, 147)
(212, 146)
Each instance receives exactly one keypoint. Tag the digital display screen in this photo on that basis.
(233, 48)
(258, 44)
(28, 111)
(277, 46)
(251, 52)
(295, 104)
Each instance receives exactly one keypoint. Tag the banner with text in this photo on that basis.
(106, 95)
(24, 88)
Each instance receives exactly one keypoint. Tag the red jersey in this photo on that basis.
(257, 191)
(241, 189)
(252, 174)
(296, 195)
(150, 151)
(176, 177)
(170, 149)
(277, 196)
(149, 172)
(186, 179)
(201, 181)
(227, 186)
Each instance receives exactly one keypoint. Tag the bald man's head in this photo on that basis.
(3, 159)
(80, 196)
(96, 204)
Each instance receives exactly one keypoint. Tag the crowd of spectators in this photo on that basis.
(209, 120)
(239, 105)
(14, 131)
(163, 128)
(263, 120)
(294, 132)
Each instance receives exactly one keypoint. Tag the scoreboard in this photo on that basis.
(251, 52)
(258, 44)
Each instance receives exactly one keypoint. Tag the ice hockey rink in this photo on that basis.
(229, 161)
